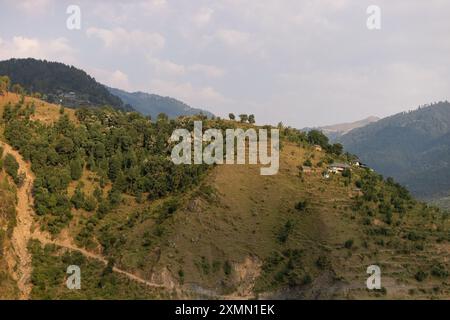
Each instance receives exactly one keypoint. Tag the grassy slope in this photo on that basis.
(243, 222)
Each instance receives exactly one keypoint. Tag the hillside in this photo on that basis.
(152, 104)
(413, 147)
(59, 83)
(106, 197)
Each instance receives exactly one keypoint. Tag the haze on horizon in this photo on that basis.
(305, 63)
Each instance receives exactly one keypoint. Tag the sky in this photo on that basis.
(301, 62)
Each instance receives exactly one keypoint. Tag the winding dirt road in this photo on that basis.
(21, 266)
(19, 259)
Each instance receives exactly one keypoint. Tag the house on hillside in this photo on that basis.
(307, 169)
(361, 165)
(338, 167)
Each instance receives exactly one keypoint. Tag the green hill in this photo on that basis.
(107, 191)
(59, 83)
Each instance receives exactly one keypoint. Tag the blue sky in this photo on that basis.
(305, 63)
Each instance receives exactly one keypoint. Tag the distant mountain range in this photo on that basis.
(62, 84)
(152, 104)
(413, 147)
(333, 132)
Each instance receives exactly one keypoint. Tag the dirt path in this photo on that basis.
(22, 231)
(26, 229)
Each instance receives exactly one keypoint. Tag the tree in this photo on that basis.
(243, 118)
(78, 198)
(11, 166)
(231, 116)
(317, 137)
(5, 83)
(18, 89)
(251, 118)
(76, 169)
(162, 117)
(347, 173)
(336, 149)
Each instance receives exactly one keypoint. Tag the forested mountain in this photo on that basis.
(152, 104)
(59, 83)
(413, 147)
(104, 195)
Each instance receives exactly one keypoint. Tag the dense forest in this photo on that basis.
(125, 150)
(57, 82)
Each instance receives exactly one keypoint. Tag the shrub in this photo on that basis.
(285, 231)
(323, 262)
(348, 244)
(301, 205)
(421, 275)
(227, 268)
(439, 270)
(307, 279)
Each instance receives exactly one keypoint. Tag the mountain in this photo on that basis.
(413, 147)
(152, 104)
(101, 193)
(333, 132)
(337, 130)
(59, 83)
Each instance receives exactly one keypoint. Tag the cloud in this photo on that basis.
(185, 91)
(124, 40)
(114, 79)
(168, 68)
(207, 70)
(33, 6)
(153, 6)
(57, 49)
(233, 38)
(203, 17)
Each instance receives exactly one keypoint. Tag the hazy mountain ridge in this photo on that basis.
(153, 104)
(413, 147)
(333, 132)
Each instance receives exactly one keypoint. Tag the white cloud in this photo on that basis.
(153, 6)
(122, 39)
(233, 38)
(33, 6)
(195, 96)
(207, 70)
(115, 79)
(203, 17)
(22, 47)
(168, 68)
